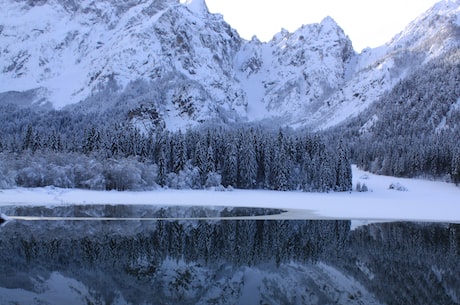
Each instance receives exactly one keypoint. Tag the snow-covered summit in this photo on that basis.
(434, 31)
(198, 7)
(186, 65)
(294, 70)
(446, 6)
(375, 71)
(100, 49)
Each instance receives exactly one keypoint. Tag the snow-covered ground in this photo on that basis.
(422, 201)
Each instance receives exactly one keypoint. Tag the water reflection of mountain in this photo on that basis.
(230, 262)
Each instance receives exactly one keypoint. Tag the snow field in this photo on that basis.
(423, 201)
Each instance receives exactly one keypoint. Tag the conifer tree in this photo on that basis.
(230, 165)
(343, 175)
(455, 168)
(27, 142)
(247, 164)
(179, 153)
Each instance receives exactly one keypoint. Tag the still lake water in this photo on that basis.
(188, 255)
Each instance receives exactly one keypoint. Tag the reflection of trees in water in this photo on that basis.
(242, 242)
(401, 263)
(408, 263)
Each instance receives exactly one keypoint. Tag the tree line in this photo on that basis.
(121, 157)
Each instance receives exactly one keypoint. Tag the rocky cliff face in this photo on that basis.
(174, 64)
(294, 70)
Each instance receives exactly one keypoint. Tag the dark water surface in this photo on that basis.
(187, 255)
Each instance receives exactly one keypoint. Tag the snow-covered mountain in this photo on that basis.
(176, 58)
(294, 72)
(433, 34)
(169, 63)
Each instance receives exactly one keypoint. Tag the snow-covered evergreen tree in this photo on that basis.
(343, 175)
(230, 164)
(247, 163)
(179, 153)
(455, 168)
(162, 166)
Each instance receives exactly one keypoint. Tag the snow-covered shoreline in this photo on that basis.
(423, 201)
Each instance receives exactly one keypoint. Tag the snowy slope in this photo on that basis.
(188, 66)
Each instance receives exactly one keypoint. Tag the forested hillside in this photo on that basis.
(72, 151)
(413, 130)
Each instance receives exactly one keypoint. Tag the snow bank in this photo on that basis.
(423, 201)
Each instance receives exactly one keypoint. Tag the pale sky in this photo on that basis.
(368, 23)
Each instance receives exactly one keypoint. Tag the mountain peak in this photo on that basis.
(197, 6)
(447, 5)
(433, 31)
(446, 8)
(329, 21)
(329, 25)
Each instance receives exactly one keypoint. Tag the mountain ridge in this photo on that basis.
(189, 66)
